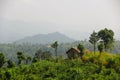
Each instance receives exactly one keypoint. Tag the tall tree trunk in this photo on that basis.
(56, 52)
(94, 48)
(105, 46)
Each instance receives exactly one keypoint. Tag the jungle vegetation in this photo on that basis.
(50, 62)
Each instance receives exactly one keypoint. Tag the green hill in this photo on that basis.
(46, 39)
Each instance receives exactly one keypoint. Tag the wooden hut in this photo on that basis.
(73, 53)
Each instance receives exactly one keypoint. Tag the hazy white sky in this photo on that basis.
(75, 18)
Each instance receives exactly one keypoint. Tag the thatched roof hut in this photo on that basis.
(75, 52)
(72, 53)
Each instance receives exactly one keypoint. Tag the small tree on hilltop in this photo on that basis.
(94, 39)
(46, 55)
(10, 64)
(55, 46)
(2, 59)
(21, 57)
(28, 60)
(101, 48)
(37, 56)
(81, 48)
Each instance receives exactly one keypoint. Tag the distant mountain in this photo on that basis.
(46, 39)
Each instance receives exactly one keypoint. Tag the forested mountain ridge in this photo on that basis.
(29, 49)
(46, 39)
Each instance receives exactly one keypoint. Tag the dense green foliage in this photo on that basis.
(90, 68)
(10, 64)
(2, 59)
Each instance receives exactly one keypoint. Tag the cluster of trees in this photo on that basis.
(23, 59)
(10, 50)
(104, 38)
(40, 55)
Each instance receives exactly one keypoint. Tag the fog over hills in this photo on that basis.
(76, 19)
(11, 31)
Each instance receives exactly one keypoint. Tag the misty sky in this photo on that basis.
(74, 18)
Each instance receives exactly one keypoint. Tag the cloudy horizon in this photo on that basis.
(74, 18)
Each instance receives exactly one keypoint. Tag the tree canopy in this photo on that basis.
(101, 47)
(107, 36)
(55, 46)
(21, 57)
(81, 48)
(93, 39)
(2, 59)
